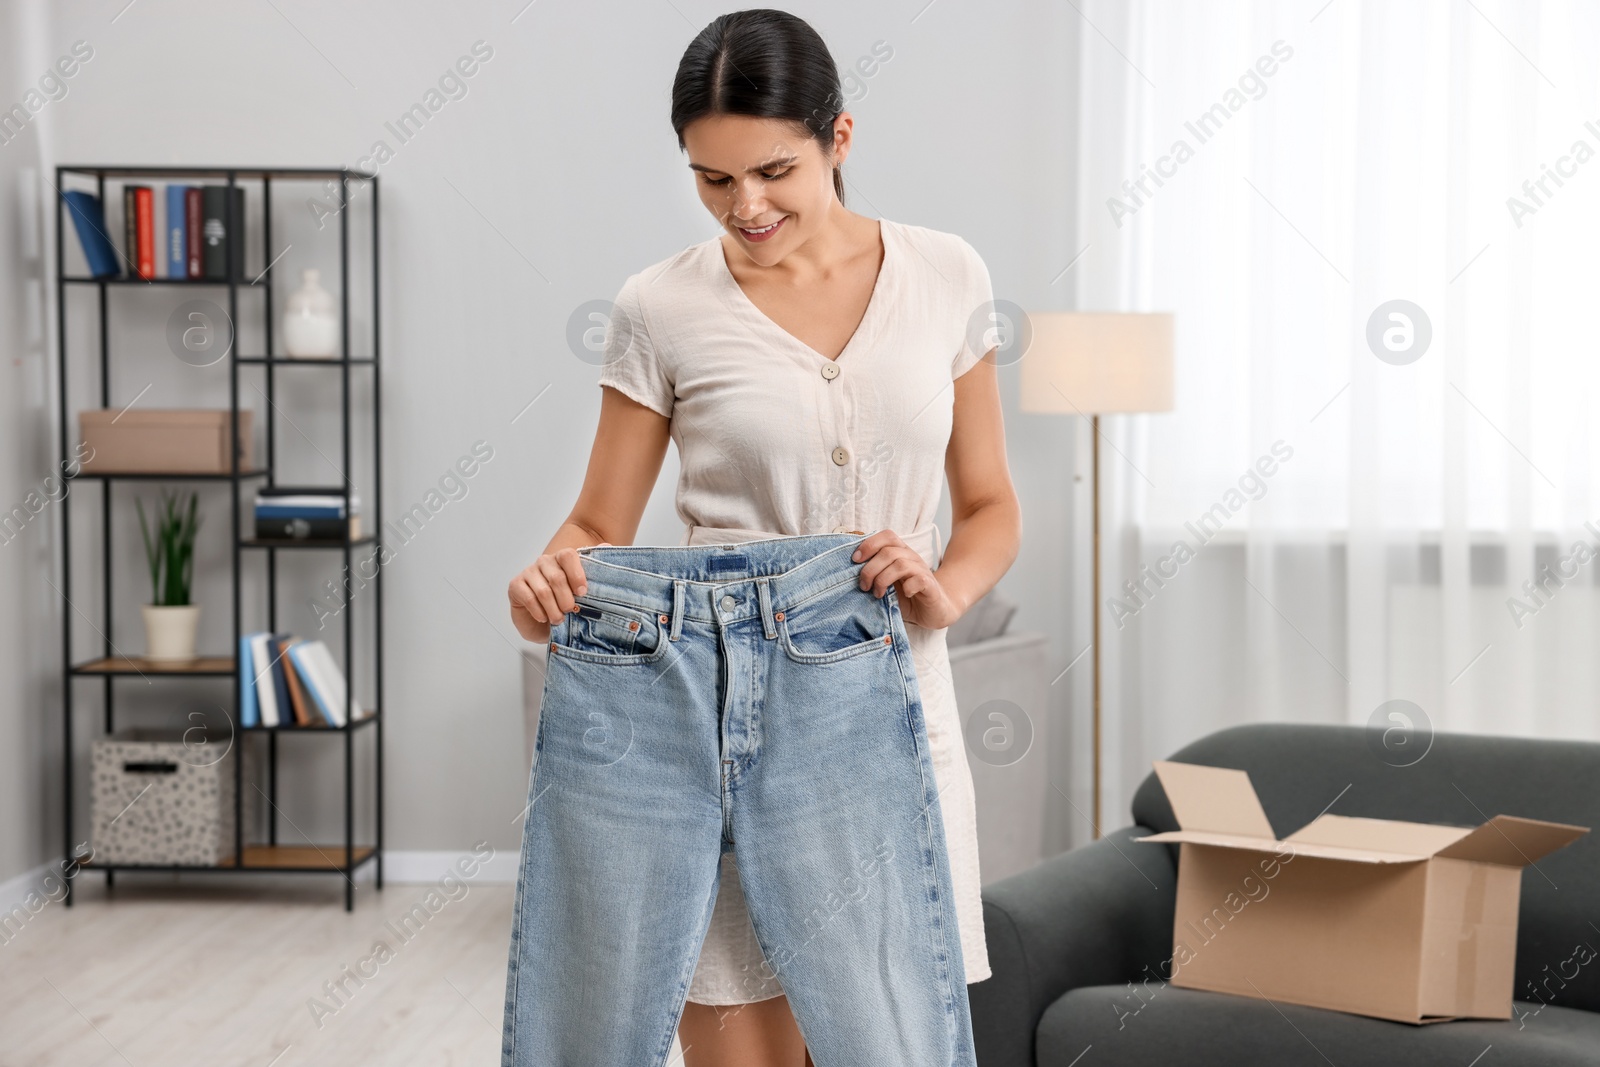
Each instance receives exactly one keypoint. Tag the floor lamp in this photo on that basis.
(1093, 364)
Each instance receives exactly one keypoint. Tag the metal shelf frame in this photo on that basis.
(270, 857)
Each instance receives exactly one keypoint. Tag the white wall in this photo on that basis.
(551, 180)
(30, 620)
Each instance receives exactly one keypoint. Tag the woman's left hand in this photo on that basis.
(890, 561)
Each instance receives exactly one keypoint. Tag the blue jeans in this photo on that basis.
(743, 696)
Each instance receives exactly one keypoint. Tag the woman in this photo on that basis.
(813, 367)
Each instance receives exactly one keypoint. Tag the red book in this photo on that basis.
(191, 227)
(145, 208)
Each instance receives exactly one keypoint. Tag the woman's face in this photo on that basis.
(753, 173)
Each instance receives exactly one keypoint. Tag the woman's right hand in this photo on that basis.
(545, 591)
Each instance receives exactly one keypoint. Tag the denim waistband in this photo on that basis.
(726, 582)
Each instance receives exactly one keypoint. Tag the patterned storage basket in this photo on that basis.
(163, 796)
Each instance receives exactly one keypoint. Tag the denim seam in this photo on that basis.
(509, 1048)
(686, 973)
(848, 579)
(605, 602)
(924, 761)
(587, 550)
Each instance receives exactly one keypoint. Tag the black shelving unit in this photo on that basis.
(271, 857)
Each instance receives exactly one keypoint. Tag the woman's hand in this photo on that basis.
(890, 561)
(545, 591)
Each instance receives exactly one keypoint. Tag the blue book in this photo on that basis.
(325, 683)
(280, 680)
(299, 511)
(88, 217)
(249, 715)
(177, 232)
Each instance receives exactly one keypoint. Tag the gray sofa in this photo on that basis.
(1067, 937)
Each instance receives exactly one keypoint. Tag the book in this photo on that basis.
(145, 232)
(236, 234)
(334, 491)
(279, 505)
(299, 529)
(280, 678)
(176, 242)
(158, 233)
(130, 233)
(222, 228)
(248, 714)
(276, 691)
(305, 713)
(261, 675)
(89, 219)
(326, 682)
(294, 507)
(193, 213)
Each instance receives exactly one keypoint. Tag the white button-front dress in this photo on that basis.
(774, 438)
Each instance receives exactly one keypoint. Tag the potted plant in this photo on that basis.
(170, 619)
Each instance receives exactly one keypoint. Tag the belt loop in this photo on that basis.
(764, 595)
(677, 608)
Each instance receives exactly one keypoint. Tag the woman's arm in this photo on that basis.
(985, 515)
(630, 444)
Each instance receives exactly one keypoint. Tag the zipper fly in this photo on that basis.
(727, 811)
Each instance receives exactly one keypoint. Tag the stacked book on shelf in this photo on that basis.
(286, 680)
(170, 231)
(306, 513)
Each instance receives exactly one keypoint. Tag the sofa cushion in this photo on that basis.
(1156, 1023)
(988, 618)
(1461, 780)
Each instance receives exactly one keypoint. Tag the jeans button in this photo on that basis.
(728, 602)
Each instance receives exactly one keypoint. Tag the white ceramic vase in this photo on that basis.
(169, 631)
(311, 320)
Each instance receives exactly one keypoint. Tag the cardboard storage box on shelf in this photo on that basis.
(183, 440)
(1414, 922)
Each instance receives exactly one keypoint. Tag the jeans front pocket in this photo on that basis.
(837, 624)
(605, 631)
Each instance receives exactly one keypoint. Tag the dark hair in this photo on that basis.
(765, 63)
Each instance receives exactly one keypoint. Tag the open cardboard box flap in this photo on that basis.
(1218, 806)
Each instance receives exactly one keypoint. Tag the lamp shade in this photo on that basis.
(1098, 362)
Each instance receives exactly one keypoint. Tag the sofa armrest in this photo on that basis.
(1097, 915)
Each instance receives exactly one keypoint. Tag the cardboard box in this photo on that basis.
(1408, 921)
(177, 441)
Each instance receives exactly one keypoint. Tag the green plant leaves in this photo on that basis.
(170, 550)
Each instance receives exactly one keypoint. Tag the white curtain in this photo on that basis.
(1380, 525)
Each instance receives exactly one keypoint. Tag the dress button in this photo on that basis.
(830, 370)
(728, 602)
(841, 456)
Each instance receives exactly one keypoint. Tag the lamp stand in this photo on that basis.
(1094, 493)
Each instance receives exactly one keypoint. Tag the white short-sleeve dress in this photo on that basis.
(774, 438)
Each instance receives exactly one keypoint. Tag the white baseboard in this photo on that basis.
(420, 868)
(409, 867)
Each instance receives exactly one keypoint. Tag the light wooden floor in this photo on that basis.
(216, 973)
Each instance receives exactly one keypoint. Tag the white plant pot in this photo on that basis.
(169, 631)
